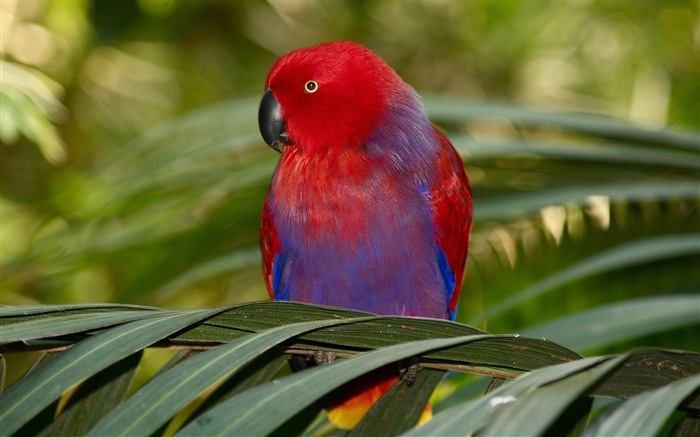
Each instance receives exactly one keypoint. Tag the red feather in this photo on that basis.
(451, 200)
(269, 245)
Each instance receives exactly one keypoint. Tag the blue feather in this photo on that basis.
(448, 278)
(277, 268)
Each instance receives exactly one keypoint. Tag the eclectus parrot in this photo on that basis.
(369, 207)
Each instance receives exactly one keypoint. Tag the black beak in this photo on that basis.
(271, 122)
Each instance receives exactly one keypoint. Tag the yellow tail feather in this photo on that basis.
(348, 413)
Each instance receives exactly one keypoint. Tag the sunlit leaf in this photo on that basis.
(620, 321)
(511, 206)
(575, 151)
(629, 254)
(453, 110)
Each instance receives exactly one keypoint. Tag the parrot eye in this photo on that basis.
(310, 87)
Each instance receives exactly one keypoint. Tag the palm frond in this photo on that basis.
(235, 338)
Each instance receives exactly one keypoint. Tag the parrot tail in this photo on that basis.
(357, 397)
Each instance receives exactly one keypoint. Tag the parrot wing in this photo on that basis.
(451, 203)
(271, 249)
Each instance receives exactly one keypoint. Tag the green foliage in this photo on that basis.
(132, 171)
(168, 216)
(550, 381)
(185, 224)
(29, 107)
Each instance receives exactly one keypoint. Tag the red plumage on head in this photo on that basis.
(349, 77)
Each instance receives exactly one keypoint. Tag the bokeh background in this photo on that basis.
(132, 170)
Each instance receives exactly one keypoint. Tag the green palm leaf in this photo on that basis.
(169, 392)
(48, 382)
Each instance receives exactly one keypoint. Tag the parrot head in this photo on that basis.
(323, 97)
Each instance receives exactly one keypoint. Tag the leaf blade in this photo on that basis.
(29, 395)
(625, 255)
(401, 407)
(166, 394)
(536, 411)
(620, 321)
(69, 324)
(645, 413)
(288, 396)
(471, 416)
(508, 207)
(95, 397)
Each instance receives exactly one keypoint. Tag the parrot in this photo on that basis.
(369, 207)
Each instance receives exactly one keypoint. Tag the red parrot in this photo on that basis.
(369, 207)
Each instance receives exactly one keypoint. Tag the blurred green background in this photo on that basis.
(132, 170)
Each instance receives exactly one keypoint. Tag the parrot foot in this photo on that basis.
(409, 372)
(324, 357)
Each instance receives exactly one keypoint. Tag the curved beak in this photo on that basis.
(271, 122)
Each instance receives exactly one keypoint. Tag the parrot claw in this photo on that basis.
(409, 372)
(324, 357)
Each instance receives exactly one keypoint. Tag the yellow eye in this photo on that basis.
(310, 87)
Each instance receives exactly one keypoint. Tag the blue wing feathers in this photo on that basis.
(448, 279)
(281, 293)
